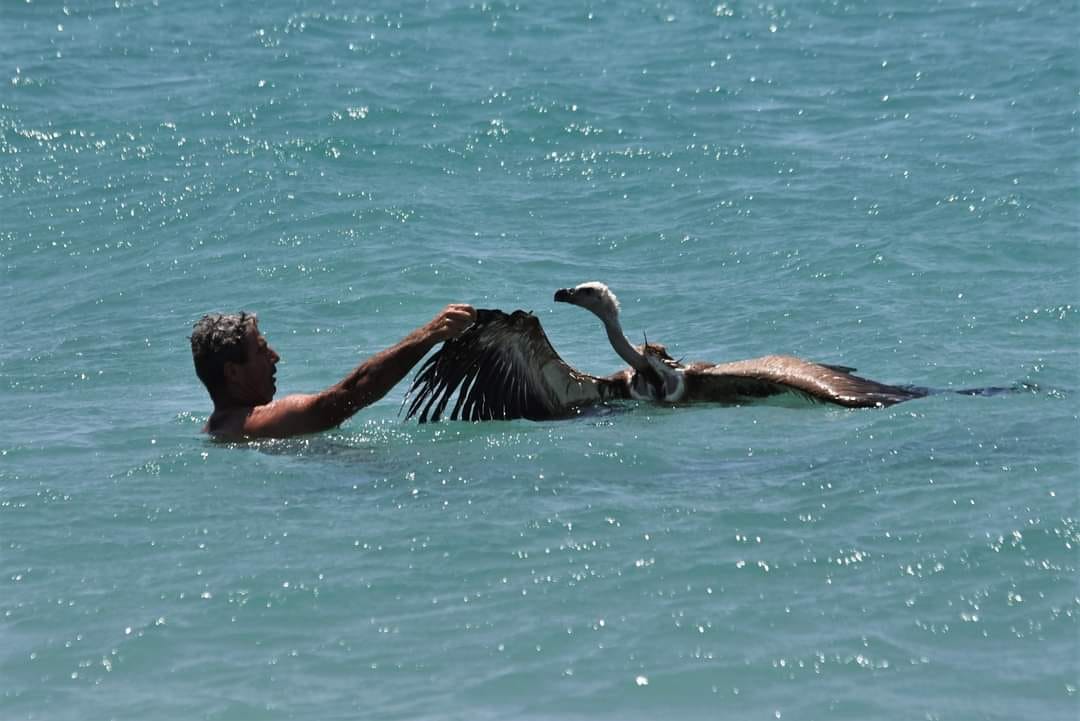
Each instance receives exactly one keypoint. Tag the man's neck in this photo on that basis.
(227, 417)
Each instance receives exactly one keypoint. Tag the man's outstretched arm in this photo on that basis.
(368, 382)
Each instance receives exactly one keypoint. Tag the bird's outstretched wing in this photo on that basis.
(502, 367)
(746, 380)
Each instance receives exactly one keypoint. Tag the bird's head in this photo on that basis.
(593, 296)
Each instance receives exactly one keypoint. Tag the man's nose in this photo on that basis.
(274, 355)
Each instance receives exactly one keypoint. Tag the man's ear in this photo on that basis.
(231, 371)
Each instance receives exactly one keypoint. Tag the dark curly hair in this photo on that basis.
(216, 339)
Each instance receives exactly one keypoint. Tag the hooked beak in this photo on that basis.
(564, 295)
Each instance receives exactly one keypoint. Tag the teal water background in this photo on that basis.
(892, 187)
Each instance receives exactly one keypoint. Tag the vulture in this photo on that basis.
(504, 367)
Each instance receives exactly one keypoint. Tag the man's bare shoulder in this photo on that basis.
(277, 419)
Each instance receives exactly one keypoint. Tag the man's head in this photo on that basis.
(232, 358)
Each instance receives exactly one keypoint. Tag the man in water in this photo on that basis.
(237, 366)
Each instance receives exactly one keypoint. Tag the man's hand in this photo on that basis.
(451, 322)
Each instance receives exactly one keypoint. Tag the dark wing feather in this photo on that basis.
(762, 377)
(502, 367)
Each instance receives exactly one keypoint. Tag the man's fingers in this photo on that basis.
(462, 309)
(461, 312)
(454, 320)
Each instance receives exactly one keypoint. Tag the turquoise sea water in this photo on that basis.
(892, 187)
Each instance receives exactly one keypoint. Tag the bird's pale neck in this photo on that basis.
(621, 345)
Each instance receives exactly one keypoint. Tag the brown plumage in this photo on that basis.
(746, 380)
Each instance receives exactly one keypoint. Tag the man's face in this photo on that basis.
(253, 380)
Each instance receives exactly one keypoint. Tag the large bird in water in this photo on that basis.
(504, 367)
